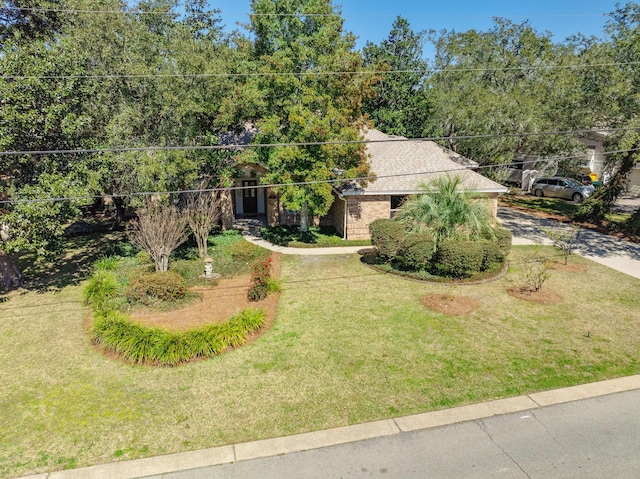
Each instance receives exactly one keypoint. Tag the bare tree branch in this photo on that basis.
(159, 230)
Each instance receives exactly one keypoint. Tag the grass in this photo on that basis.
(558, 207)
(345, 348)
(316, 237)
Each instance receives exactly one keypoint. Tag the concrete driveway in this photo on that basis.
(610, 251)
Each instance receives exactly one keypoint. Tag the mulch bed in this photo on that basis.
(543, 296)
(449, 304)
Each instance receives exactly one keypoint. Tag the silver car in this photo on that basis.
(556, 187)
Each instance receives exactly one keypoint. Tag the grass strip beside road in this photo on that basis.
(349, 345)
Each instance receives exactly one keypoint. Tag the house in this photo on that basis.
(400, 166)
(596, 165)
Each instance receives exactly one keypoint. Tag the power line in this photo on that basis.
(447, 70)
(342, 14)
(309, 143)
(299, 183)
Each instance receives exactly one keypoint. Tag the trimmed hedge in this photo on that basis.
(504, 239)
(416, 251)
(459, 259)
(137, 344)
(492, 254)
(387, 236)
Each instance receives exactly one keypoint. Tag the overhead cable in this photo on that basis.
(299, 183)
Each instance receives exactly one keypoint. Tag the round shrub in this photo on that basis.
(387, 236)
(243, 251)
(504, 239)
(459, 259)
(416, 251)
(148, 288)
(492, 254)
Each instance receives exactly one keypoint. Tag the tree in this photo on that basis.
(203, 212)
(158, 231)
(510, 79)
(447, 211)
(399, 102)
(621, 89)
(295, 102)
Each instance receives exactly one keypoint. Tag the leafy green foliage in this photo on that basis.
(416, 251)
(505, 239)
(398, 104)
(492, 255)
(459, 259)
(387, 236)
(102, 287)
(447, 211)
(138, 344)
(316, 237)
(304, 107)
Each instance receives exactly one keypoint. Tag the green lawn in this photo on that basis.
(557, 206)
(349, 345)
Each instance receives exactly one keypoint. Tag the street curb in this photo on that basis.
(166, 464)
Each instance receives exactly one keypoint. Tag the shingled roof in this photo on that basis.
(401, 166)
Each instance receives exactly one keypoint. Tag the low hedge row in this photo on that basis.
(417, 251)
(138, 344)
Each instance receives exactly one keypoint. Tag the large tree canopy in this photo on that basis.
(298, 102)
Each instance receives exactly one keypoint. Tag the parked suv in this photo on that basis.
(557, 187)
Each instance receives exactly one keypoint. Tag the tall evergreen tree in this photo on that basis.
(399, 102)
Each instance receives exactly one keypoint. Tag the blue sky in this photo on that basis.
(371, 19)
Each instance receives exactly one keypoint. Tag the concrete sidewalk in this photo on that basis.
(156, 466)
(618, 254)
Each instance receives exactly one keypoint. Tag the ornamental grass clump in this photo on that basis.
(138, 344)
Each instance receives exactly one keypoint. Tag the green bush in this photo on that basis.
(387, 236)
(416, 251)
(459, 259)
(148, 288)
(504, 239)
(260, 277)
(101, 289)
(492, 254)
(244, 251)
(107, 263)
(138, 344)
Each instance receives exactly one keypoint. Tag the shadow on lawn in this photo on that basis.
(70, 268)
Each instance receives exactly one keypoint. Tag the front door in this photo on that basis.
(250, 197)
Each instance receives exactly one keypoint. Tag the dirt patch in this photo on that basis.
(543, 296)
(450, 305)
(218, 303)
(568, 268)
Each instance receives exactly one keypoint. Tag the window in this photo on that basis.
(396, 203)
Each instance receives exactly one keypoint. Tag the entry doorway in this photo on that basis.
(250, 197)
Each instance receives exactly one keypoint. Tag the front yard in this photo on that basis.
(349, 345)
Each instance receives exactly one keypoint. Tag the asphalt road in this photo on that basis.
(591, 438)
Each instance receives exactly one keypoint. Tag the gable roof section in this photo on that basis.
(401, 166)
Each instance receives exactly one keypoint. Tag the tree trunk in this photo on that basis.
(118, 203)
(304, 218)
(10, 275)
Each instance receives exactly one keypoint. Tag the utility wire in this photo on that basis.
(447, 70)
(309, 143)
(299, 183)
(360, 15)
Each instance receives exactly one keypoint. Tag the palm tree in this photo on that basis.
(447, 211)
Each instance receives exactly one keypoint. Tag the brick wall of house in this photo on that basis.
(335, 215)
(365, 209)
(362, 210)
